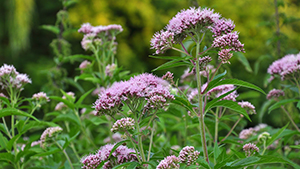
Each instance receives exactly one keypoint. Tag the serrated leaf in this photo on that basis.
(235, 82)
(281, 103)
(241, 57)
(51, 28)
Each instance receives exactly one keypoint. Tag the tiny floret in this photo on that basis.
(229, 41)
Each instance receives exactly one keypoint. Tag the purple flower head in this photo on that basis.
(188, 155)
(193, 19)
(168, 77)
(60, 106)
(246, 133)
(286, 67)
(121, 155)
(83, 65)
(8, 70)
(41, 96)
(229, 41)
(250, 109)
(162, 41)
(220, 90)
(123, 124)
(170, 162)
(250, 149)
(275, 94)
(225, 55)
(143, 86)
(222, 26)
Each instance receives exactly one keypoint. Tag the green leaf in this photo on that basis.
(67, 117)
(51, 28)
(3, 141)
(295, 146)
(13, 111)
(171, 64)
(216, 79)
(77, 57)
(65, 101)
(217, 151)
(263, 109)
(130, 165)
(69, 3)
(275, 136)
(49, 152)
(73, 83)
(6, 157)
(237, 83)
(97, 121)
(116, 146)
(298, 105)
(2, 128)
(266, 159)
(258, 61)
(281, 103)
(230, 105)
(88, 77)
(166, 57)
(179, 100)
(248, 95)
(241, 57)
(83, 97)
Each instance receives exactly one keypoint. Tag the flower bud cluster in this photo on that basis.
(48, 133)
(250, 149)
(123, 124)
(274, 94)
(229, 40)
(188, 155)
(250, 109)
(84, 65)
(121, 155)
(170, 162)
(41, 96)
(109, 69)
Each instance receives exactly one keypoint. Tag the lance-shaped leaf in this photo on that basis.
(281, 103)
(13, 111)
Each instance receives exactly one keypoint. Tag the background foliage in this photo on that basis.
(24, 44)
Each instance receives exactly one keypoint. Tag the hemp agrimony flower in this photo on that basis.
(170, 162)
(246, 133)
(188, 155)
(250, 109)
(41, 96)
(48, 133)
(250, 149)
(274, 94)
(123, 124)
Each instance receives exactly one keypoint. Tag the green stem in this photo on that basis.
(140, 144)
(151, 142)
(216, 124)
(6, 128)
(133, 144)
(66, 155)
(291, 119)
(178, 50)
(231, 129)
(201, 108)
(265, 148)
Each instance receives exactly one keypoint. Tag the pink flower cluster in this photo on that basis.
(121, 155)
(225, 55)
(250, 149)
(162, 41)
(41, 96)
(274, 94)
(144, 86)
(170, 162)
(9, 77)
(247, 133)
(49, 132)
(84, 65)
(222, 26)
(286, 67)
(250, 109)
(98, 35)
(123, 124)
(229, 40)
(109, 69)
(188, 155)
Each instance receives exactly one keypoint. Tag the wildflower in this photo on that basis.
(41, 96)
(248, 107)
(224, 55)
(117, 137)
(121, 155)
(109, 69)
(60, 106)
(274, 94)
(162, 41)
(170, 162)
(250, 149)
(123, 124)
(203, 61)
(168, 77)
(246, 133)
(286, 67)
(143, 86)
(48, 133)
(8, 70)
(220, 90)
(260, 127)
(70, 94)
(188, 155)
(229, 40)
(86, 28)
(187, 20)
(222, 26)
(83, 65)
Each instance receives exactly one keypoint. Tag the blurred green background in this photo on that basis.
(25, 44)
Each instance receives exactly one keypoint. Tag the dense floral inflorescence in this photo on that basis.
(10, 78)
(170, 162)
(222, 26)
(123, 124)
(229, 40)
(145, 86)
(162, 41)
(121, 155)
(250, 149)
(41, 96)
(286, 67)
(246, 133)
(48, 133)
(274, 94)
(248, 107)
(188, 155)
